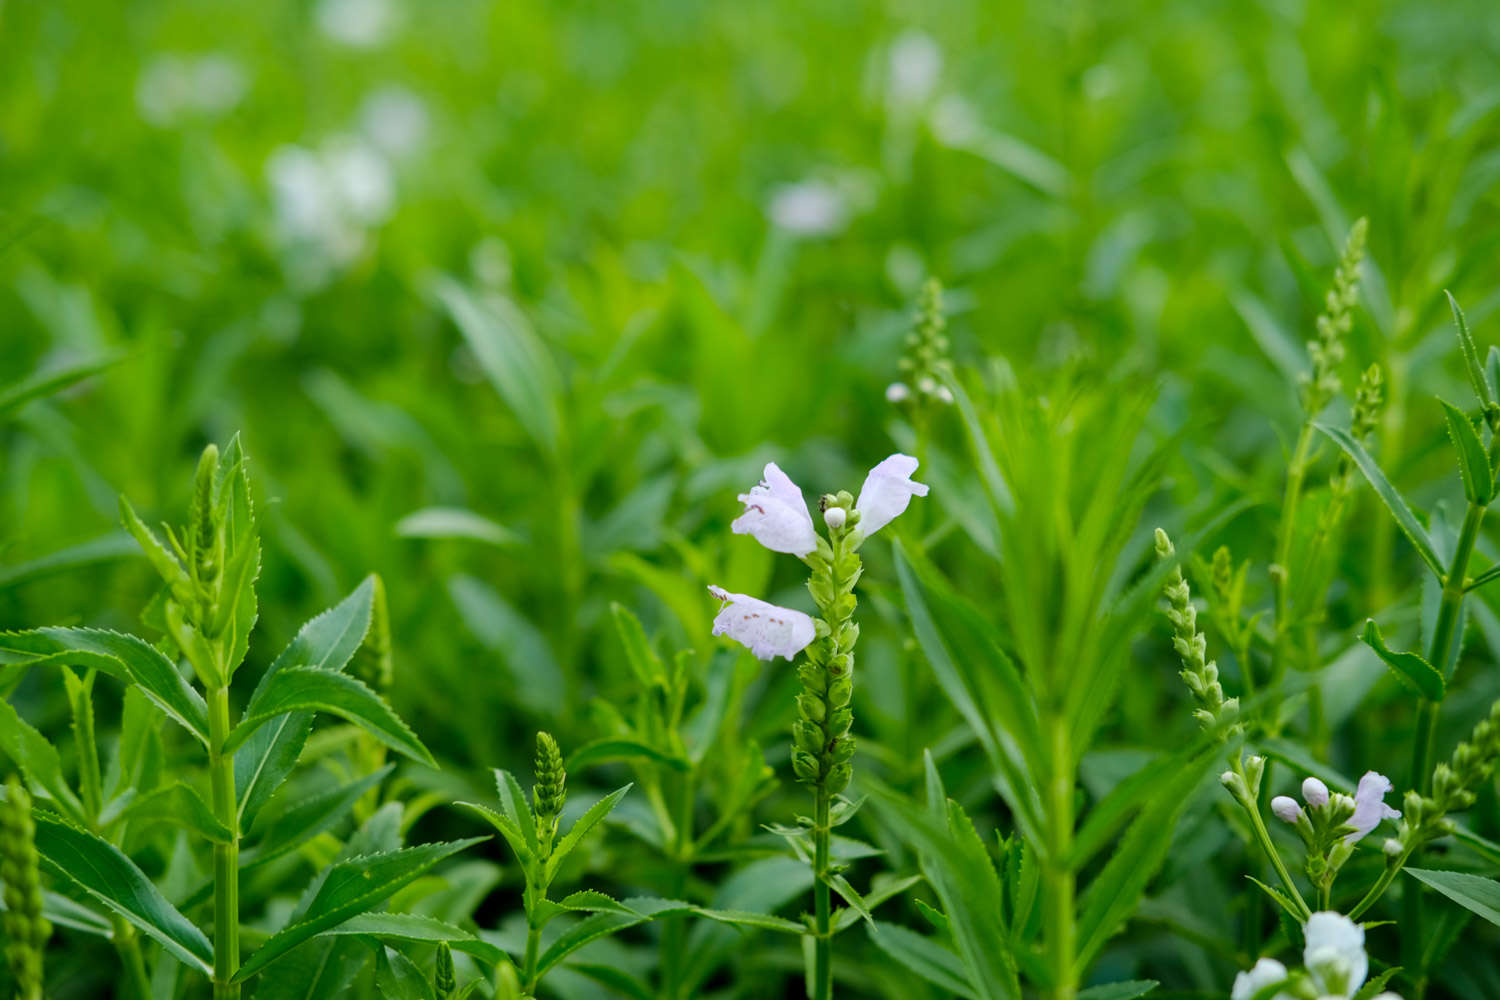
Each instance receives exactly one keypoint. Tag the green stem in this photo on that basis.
(1060, 881)
(1263, 837)
(673, 934)
(533, 948)
(822, 901)
(129, 948)
(1281, 573)
(226, 855)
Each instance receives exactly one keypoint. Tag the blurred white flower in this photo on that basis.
(915, 65)
(776, 515)
(1266, 972)
(359, 24)
(887, 492)
(897, 392)
(395, 120)
(173, 88)
(324, 201)
(809, 208)
(767, 630)
(1335, 953)
(1369, 805)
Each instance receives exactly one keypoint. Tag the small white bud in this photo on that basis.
(944, 395)
(1286, 809)
(1314, 792)
(1391, 847)
(927, 385)
(897, 392)
(835, 517)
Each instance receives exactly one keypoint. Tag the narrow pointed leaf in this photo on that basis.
(99, 869)
(1483, 391)
(1473, 463)
(349, 888)
(37, 759)
(517, 808)
(304, 689)
(1480, 895)
(580, 829)
(1400, 510)
(1413, 671)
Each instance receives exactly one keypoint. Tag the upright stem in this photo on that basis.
(822, 901)
(1281, 579)
(226, 856)
(128, 945)
(1444, 636)
(1060, 881)
(533, 947)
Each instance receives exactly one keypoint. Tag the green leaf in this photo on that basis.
(513, 801)
(81, 705)
(1415, 673)
(124, 657)
(1372, 989)
(327, 642)
(1481, 895)
(1405, 519)
(40, 384)
(1473, 463)
(1137, 791)
(38, 760)
(298, 822)
(525, 853)
(455, 522)
(643, 660)
(304, 689)
(107, 548)
(397, 978)
(929, 959)
(1119, 991)
(107, 875)
(1482, 389)
(580, 829)
(347, 889)
(418, 927)
(321, 968)
(621, 982)
(601, 751)
(511, 356)
(1280, 898)
(180, 805)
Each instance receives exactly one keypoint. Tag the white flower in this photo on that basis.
(1266, 972)
(1286, 808)
(1387, 995)
(776, 515)
(810, 208)
(1335, 953)
(395, 120)
(887, 491)
(897, 392)
(1369, 805)
(916, 62)
(768, 630)
(1314, 792)
(835, 517)
(173, 88)
(325, 200)
(359, 24)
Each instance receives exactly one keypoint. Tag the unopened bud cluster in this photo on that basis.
(1243, 781)
(1337, 319)
(26, 930)
(1454, 784)
(444, 976)
(550, 791)
(822, 747)
(1199, 673)
(926, 359)
(1369, 399)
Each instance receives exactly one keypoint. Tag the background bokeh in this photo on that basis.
(570, 273)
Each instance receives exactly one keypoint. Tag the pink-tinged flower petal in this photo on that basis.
(887, 491)
(1286, 809)
(776, 515)
(1369, 805)
(766, 629)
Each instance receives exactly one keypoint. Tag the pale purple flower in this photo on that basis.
(1314, 792)
(776, 515)
(1286, 809)
(1369, 805)
(767, 630)
(1335, 953)
(887, 491)
(1266, 972)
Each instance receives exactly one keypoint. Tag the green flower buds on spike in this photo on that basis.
(1214, 712)
(444, 978)
(927, 354)
(1335, 322)
(26, 930)
(550, 791)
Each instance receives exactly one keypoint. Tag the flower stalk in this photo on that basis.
(26, 930)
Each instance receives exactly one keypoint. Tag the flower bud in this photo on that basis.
(1314, 792)
(835, 517)
(1391, 847)
(1286, 809)
(897, 392)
